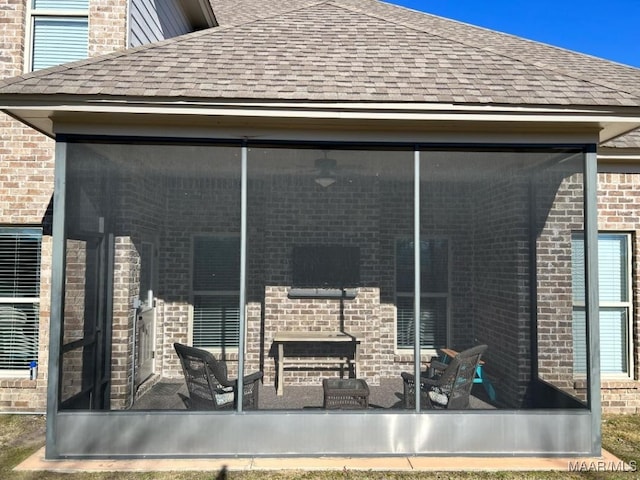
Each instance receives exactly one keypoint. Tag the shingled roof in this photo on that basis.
(346, 51)
(232, 12)
(628, 141)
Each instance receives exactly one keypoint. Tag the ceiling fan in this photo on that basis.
(326, 171)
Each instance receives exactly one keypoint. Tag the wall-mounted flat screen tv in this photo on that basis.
(326, 266)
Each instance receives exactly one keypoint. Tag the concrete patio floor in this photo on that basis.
(169, 394)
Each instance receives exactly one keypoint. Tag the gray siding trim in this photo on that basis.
(155, 20)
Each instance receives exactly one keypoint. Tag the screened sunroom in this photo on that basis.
(315, 260)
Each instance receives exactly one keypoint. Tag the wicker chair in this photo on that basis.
(450, 385)
(209, 387)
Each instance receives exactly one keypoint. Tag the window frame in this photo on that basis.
(423, 295)
(193, 293)
(22, 231)
(605, 304)
(34, 13)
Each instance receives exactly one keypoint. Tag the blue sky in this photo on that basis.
(603, 28)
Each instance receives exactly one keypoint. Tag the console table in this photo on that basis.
(281, 338)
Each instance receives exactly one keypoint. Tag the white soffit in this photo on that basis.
(42, 116)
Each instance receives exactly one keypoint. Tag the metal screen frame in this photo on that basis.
(130, 434)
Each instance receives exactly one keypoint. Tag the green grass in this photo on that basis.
(621, 436)
(22, 435)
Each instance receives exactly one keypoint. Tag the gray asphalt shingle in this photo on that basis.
(630, 140)
(343, 50)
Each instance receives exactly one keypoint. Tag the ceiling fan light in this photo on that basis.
(325, 180)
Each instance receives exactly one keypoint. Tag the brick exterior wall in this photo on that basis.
(26, 183)
(74, 313)
(501, 298)
(619, 211)
(26, 172)
(559, 198)
(107, 26)
(296, 213)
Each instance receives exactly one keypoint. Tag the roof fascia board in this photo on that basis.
(610, 123)
(621, 156)
(625, 123)
(313, 109)
(617, 124)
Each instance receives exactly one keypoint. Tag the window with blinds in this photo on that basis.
(59, 32)
(19, 297)
(614, 284)
(434, 293)
(216, 292)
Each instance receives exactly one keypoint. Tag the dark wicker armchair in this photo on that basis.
(450, 385)
(209, 387)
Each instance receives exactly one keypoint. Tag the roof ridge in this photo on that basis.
(350, 6)
(276, 14)
(285, 10)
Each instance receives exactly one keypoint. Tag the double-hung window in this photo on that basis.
(216, 292)
(614, 285)
(434, 293)
(19, 298)
(58, 32)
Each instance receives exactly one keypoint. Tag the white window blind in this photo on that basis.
(59, 32)
(58, 40)
(60, 4)
(19, 297)
(615, 303)
(577, 269)
(434, 287)
(579, 340)
(216, 321)
(613, 340)
(216, 292)
(612, 268)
